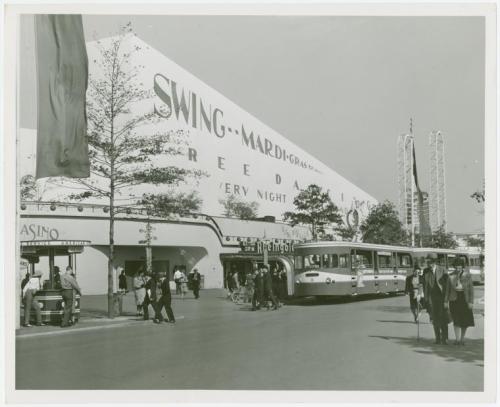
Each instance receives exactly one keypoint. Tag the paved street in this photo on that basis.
(362, 344)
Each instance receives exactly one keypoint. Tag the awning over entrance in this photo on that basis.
(58, 247)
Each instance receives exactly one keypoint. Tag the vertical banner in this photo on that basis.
(62, 69)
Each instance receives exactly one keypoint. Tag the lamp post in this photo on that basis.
(148, 234)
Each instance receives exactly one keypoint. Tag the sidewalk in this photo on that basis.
(94, 312)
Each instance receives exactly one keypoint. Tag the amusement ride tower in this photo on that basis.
(437, 195)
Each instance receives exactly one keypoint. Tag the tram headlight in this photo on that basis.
(297, 281)
(328, 280)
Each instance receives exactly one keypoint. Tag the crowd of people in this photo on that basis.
(447, 296)
(154, 290)
(262, 287)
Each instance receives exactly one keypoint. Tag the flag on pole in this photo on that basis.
(62, 70)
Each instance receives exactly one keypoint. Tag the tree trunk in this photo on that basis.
(111, 258)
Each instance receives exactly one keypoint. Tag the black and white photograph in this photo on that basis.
(294, 199)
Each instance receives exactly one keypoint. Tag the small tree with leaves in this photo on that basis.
(234, 207)
(315, 208)
(473, 241)
(121, 142)
(382, 226)
(171, 203)
(441, 239)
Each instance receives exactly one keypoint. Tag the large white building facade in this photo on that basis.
(238, 155)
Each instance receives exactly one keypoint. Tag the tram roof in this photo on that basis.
(372, 246)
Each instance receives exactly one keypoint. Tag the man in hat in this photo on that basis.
(435, 280)
(68, 284)
(195, 283)
(29, 292)
(258, 289)
(153, 294)
(164, 300)
(268, 286)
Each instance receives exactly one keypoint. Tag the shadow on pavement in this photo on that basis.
(471, 352)
(401, 322)
(313, 301)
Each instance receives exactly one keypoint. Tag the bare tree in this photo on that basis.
(121, 146)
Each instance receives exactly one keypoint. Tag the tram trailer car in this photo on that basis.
(347, 268)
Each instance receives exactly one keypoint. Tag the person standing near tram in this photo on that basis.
(435, 282)
(29, 291)
(68, 284)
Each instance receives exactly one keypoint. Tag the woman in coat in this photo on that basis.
(459, 297)
(139, 291)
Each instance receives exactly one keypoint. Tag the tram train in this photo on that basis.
(347, 268)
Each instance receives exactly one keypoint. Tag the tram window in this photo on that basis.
(363, 259)
(299, 263)
(334, 261)
(343, 261)
(312, 261)
(385, 261)
(404, 260)
(326, 261)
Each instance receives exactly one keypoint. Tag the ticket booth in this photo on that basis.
(50, 298)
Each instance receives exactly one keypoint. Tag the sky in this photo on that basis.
(341, 88)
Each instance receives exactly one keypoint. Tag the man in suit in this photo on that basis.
(435, 280)
(152, 295)
(267, 283)
(195, 283)
(164, 300)
(258, 290)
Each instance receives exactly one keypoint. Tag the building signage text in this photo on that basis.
(38, 232)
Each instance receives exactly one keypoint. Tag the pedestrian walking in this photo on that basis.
(460, 299)
(249, 287)
(195, 283)
(139, 290)
(283, 284)
(267, 285)
(258, 290)
(29, 291)
(184, 284)
(69, 285)
(177, 280)
(164, 301)
(153, 294)
(122, 282)
(276, 285)
(411, 290)
(435, 282)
